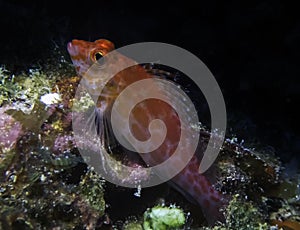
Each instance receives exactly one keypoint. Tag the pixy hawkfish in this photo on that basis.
(198, 187)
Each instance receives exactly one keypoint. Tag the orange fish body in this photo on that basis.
(188, 181)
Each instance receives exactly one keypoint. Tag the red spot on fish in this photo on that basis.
(206, 203)
(204, 188)
(214, 198)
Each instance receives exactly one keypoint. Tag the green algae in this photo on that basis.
(243, 215)
(134, 225)
(24, 90)
(36, 190)
(91, 187)
(7, 86)
(161, 217)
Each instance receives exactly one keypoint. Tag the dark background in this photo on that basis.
(251, 48)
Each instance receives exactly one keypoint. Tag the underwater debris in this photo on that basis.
(163, 218)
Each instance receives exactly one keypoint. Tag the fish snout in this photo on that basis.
(71, 48)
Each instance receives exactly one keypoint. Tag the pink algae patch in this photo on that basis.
(10, 130)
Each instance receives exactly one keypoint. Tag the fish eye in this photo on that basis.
(97, 56)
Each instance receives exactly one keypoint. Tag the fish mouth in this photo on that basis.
(71, 49)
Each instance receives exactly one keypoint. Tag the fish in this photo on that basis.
(189, 182)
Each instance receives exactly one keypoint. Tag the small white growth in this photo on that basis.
(50, 98)
(232, 140)
(42, 178)
(138, 192)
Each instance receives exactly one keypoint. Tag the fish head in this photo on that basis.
(84, 53)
